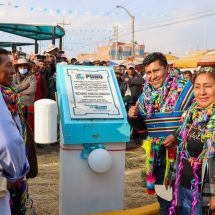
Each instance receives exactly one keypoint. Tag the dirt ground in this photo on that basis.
(44, 189)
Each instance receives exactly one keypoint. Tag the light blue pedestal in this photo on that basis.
(83, 191)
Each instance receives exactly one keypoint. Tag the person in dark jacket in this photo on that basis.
(134, 83)
(44, 72)
(121, 82)
(122, 68)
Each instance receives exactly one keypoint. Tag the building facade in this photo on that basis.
(123, 51)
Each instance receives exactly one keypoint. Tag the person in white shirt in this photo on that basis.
(13, 160)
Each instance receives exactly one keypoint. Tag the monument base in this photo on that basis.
(83, 191)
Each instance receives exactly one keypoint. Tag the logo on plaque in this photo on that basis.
(80, 76)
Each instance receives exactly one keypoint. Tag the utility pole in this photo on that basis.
(63, 25)
(109, 41)
(116, 35)
(133, 45)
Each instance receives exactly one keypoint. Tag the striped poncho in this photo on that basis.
(161, 111)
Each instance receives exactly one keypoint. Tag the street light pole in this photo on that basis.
(132, 27)
(116, 41)
(133, 45)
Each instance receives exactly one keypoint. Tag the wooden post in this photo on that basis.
(53, 34)
(36, 47)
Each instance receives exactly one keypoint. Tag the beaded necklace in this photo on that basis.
(156, 101)
(195, 117)
(165, 98)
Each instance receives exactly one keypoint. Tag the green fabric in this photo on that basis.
(9, 44)
(36, 32)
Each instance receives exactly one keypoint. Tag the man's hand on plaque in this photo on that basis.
(133, 111)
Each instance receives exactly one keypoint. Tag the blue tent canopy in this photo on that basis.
(33, 31)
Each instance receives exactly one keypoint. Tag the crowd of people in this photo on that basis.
(172, 112)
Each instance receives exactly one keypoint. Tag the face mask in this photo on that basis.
(23, 71)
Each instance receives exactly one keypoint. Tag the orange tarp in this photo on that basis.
(187, 62)
(191, 61)
(170, 57)
(207, 60)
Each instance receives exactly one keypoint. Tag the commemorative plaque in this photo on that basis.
(92, 93)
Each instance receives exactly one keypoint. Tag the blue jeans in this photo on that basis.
(186, 199)
(164, 206)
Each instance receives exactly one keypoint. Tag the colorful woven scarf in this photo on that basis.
(12, 99)
(165, 98)
(154, 102)
(152, 147)
(195, 116)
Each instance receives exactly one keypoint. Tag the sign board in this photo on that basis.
(92, 94)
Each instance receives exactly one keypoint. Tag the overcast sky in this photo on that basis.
(175, 26)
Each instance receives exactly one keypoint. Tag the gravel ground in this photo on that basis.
(44, 189)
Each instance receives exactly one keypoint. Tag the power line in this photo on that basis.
(176, 17)
(171, 23)
(128, 2)
(191, 13)
(162, 25)
(177, 22)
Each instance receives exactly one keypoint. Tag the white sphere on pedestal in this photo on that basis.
(100, 160)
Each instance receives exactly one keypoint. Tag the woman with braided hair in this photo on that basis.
(194, 169)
